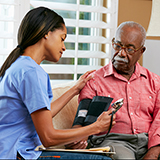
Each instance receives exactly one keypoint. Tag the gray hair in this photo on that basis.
(133, 25)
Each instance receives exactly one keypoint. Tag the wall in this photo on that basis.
(135, 10)
(140, 11)
(151, 57)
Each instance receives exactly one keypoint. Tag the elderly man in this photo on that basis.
(136, 134)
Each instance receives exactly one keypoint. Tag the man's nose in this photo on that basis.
(122, 53)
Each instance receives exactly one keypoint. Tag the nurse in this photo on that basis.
(26, 110)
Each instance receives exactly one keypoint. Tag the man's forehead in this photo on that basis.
(127, 44)
(128, 38)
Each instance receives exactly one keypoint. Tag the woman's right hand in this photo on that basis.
(102, 125)
(104, 120)
(83, 80)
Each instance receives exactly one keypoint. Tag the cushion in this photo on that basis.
(64, 119)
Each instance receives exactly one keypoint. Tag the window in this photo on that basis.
(90, 27)
(7, 25)
(11, 14)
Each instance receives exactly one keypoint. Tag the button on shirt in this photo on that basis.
(141, 109)
(25, 88)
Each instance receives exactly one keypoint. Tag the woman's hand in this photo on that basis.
(77, 145)
(60, 102)
(104, 120)
(83, 80)
(103, 123)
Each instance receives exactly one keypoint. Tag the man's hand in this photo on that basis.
(152, 153)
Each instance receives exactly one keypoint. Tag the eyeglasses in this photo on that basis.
(129, 50)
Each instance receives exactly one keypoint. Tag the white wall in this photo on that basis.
(151, 57)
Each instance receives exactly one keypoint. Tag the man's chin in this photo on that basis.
(118, 67)
(120, 70)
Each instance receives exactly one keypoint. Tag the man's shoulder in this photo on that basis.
(101, 71)
(153, 78)
(149, 74)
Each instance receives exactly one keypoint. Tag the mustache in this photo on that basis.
(117, 58)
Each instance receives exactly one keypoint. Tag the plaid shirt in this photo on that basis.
(141, 109)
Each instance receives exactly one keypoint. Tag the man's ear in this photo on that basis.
(143, 49)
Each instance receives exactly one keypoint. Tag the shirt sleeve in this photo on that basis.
(35, 90)
(89, 90)
(85, 97)
(154, 131)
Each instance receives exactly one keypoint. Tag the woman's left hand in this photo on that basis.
(83, 80)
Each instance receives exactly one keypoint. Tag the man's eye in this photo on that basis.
(130, 49)
(117, 47)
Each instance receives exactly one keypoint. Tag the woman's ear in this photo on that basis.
(45, 36)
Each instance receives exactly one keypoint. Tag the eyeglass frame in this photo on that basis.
(122, 47)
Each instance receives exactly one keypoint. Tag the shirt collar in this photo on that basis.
(140, 71)
(110, 70)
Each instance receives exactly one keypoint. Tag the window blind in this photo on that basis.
(90, 27)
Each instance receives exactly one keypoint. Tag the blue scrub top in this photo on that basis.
(25, 88)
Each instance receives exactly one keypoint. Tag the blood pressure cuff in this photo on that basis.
(89, 110)
(82, 112)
